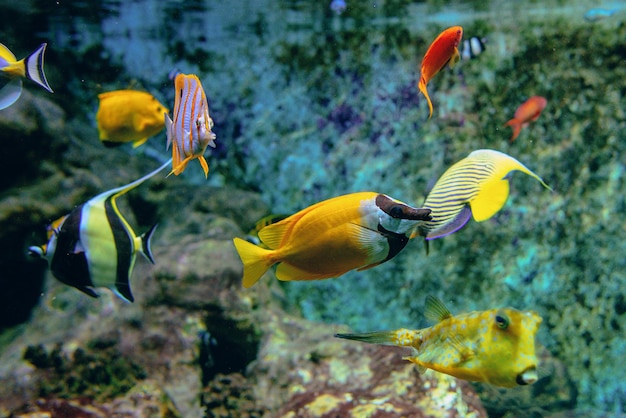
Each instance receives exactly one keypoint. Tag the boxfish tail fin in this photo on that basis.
(516, 125)
(255, 261)
(33, 67)
(400, 338)
(422, 87)
(146, 248)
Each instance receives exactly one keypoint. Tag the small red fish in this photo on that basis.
(442, 51)
(527, 112)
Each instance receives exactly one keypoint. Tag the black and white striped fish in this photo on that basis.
(94, 246)
(190, 131)
(473, 47)
(12, 71)
(477, 186)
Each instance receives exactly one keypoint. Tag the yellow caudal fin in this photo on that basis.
(255, 261)
(422, 87)
(490, 199)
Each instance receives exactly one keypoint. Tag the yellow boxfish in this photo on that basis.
(475, 186)
(495, 346)
(129, 116)
(330, 238)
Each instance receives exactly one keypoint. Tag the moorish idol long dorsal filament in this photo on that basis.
(94, 245)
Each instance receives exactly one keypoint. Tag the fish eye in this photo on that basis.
(502, 321)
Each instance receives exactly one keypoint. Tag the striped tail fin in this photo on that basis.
(400, 337)
(34, 67)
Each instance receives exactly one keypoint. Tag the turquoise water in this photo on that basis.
(309, 104)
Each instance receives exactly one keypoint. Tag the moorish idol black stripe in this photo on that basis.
(94, 246)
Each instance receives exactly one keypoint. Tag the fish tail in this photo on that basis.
(146, 249)
(516, 125)
(33, 67)
(422, 87)
(255, 261)
(401, 337)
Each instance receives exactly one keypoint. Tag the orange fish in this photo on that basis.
(189, 133)
(442, 51)
(527, 112)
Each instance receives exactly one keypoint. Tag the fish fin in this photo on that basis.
(490, 199)
(146, 248)
(456, 57)
(421, 369)
(287, 272)
(212, 140)
(122, 289)
(516, 125)
(34, 67)
(88, 291)
(452, 226)
(272, 235)
(255, 261)
(205, 166)
(435, 310)
(372, 240)
(140, 142)
(168, 130)
(10, 92)
(422, 87)
(377, 337)
(6, 53)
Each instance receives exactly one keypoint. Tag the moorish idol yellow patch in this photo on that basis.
(94, 245)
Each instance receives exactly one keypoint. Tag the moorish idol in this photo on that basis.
(330, 238)
(94, 246)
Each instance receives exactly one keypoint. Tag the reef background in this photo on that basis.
(309, 104)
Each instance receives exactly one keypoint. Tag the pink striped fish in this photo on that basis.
(190, 131)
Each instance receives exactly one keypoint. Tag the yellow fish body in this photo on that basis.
(330, 238)
(13, 70)
(477, 186)
(189, 132)
(129, 116)
(495, 346)
(94, 245)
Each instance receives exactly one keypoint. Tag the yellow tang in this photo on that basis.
(330, 238)
(129, 116)
(495, 346)
(475, 186)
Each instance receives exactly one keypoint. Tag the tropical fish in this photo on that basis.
(475, 186)
(330, 238)
(94, 246)
(527, 112)
(190, 131)
(12, 71)
(473, 47)
(593, 15)
(495, 346)
(129, 116)
(442, 51)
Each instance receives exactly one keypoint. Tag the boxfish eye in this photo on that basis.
(502, 321)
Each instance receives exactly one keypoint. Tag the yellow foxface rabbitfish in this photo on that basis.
(129, 116)
(94, 246)
(477, 186)
(190, 131)
(330, 238)
(13, 70)
(495, 346)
